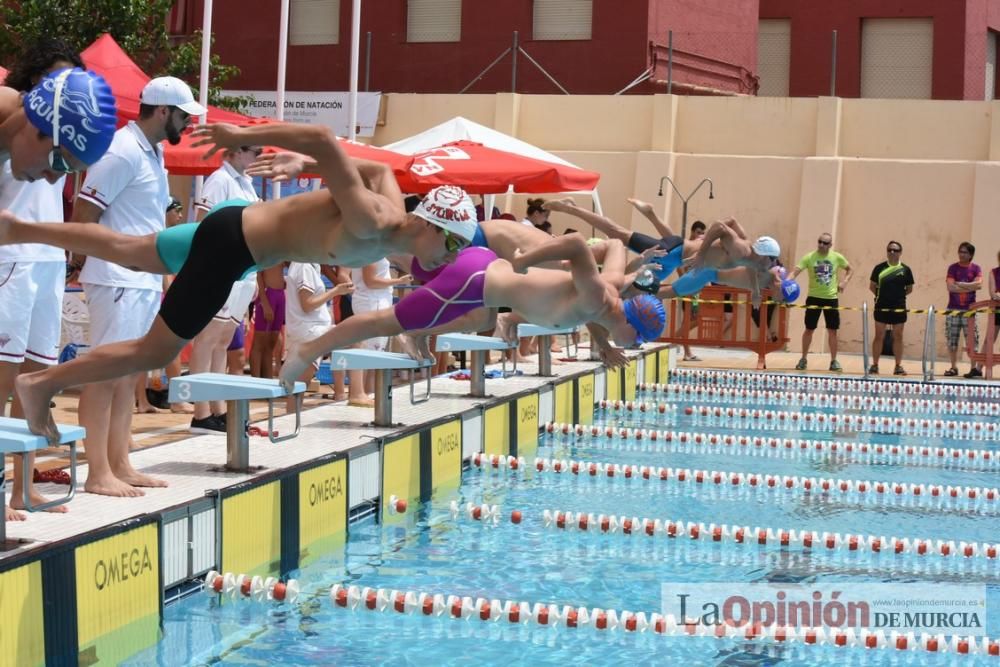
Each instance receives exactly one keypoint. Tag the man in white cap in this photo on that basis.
(126, 191)
(359, 219)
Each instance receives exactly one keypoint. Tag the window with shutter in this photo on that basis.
(774, 49)
(896, 58)
(313, 22)
(433, 20)
(562, 19)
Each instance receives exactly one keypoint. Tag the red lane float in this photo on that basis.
(850, 452)
(607, 621)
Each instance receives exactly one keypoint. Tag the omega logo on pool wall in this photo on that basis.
(529, 412)
(121, 568)
(325, 491)
(447, 443)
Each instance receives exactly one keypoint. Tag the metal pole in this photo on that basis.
(206, 47)
(352, 96)
(368, 58)
(929, 354)
(670, 62)
(833, 67)
(513, 65)
(282, 67)
(684, 218)
(383, 397)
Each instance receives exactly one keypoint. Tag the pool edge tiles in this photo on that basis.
(258, 523)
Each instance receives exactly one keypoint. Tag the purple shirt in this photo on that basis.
(963, 274)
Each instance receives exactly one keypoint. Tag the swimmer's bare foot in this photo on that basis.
(293, 368)
(560, 204)
(17, 502)
(35, 403)
(183, 408)
(507, 329)
(131, 476)
(416, 347)
(10, 515)
(109, 485)
(645, 208)
(146, 410)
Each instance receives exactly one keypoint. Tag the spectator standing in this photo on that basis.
(963, 280)
(994, 285)
(372, 291)
(127, 191)
(890, 282)
(824, 265)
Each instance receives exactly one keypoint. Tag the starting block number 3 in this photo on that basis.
(184, 391)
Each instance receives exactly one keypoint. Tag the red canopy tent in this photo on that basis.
(127, 80)
(481, 170)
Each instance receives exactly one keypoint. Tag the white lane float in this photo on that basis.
(254, 588)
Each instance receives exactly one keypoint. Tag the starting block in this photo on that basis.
(478, 346)
(384, 363)
(545, 335)
(15, 438)
(237, 391)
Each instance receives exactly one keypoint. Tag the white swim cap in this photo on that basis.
(449, 207)
(766, 247)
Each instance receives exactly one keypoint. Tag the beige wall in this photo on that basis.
(868, 171)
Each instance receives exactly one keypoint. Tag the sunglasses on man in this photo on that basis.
(256, 150)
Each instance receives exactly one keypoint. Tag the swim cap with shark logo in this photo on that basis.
(79, 106)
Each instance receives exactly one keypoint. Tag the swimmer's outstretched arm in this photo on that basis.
(360, 213)
(82, 238)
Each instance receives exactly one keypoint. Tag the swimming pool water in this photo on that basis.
(430, 550)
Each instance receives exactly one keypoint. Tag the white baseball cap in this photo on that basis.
(170, 91)
(765, 246)
(449, 206)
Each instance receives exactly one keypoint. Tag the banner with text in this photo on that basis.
(326, 108)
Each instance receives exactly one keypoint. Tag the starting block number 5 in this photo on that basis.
(184, 391)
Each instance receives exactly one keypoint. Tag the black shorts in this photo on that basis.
(890, 317)
(830, 316)
(219, 256)
(639, 242)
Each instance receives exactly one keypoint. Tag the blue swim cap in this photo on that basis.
(86, 115)
(646, 315)
(789, 290)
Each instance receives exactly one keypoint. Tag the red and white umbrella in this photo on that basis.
(480, 170)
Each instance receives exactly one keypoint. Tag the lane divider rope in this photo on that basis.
(864, 453)
(742, 418)
(930, 496)
(789, 398)
(495, 610)
(258, 589)
(777, 381)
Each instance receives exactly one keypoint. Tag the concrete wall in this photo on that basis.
(924, 173)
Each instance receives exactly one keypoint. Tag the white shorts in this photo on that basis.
(294, 338)
(31, 296)
(367, 304)
(120, 313)
(240, 297)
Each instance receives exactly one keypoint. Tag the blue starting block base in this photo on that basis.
(545, 335)
(237, 391)
(383, 363)
(477, 346)
(15, 438)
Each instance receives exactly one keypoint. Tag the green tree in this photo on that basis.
(139, 27)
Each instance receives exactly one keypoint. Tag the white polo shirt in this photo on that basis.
(226, 183)
(307, 277)
(129, 183)
(39, 201)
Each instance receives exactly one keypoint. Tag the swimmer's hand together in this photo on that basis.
(220, 136)
(279, 167)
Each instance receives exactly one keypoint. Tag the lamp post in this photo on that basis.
(684, 200)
